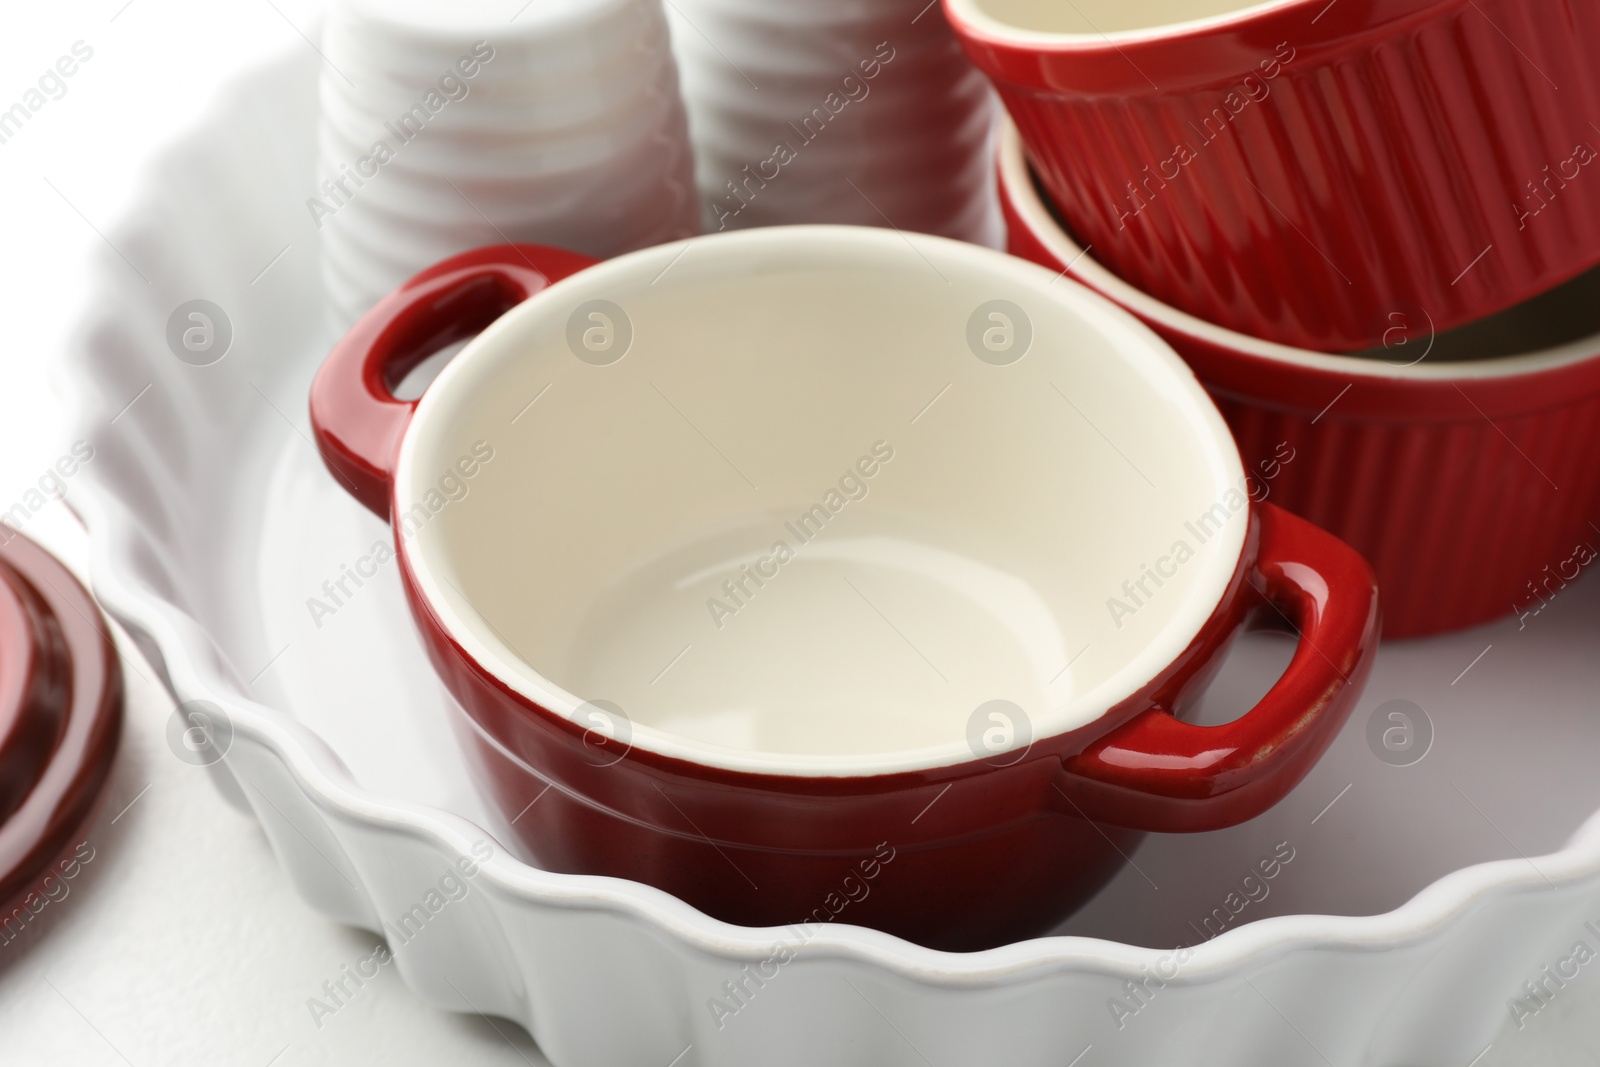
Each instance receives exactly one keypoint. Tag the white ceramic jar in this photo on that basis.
(445, 128)
(846, 111)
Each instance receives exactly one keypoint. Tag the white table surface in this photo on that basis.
(182, 942)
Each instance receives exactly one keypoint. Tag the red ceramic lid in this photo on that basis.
(60, 712)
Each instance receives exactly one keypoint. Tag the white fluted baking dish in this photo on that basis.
(215, 528)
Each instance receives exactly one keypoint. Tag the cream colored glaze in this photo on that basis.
(973, 564)
(1104, 16)
(857, 643)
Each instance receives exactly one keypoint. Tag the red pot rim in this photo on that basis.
(806, 244)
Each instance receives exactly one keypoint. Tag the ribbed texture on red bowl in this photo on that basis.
(1372, 177)
(1458, 518)
(1459, 491)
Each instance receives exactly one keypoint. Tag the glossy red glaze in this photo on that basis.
(1159, 771)
(1402, 156)
(960, 856)
(1465, 493)
(357, 420)
(60, 715)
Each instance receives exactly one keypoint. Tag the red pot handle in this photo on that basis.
(1158, 773)
(357, 419)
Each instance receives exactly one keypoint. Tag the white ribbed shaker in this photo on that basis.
(449, 126)
(847, 111)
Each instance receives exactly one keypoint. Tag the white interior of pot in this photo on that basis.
(800, 525)
(1097, 17)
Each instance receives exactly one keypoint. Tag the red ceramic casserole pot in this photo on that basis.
(815, 573)
(1299, 170)
(1468, 482)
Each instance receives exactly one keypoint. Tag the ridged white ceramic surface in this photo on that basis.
(1418, 900)
(446, 127)
(851, 111)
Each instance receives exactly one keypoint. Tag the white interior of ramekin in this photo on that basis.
(1101, 22)
(1408, 362)
(580, 562)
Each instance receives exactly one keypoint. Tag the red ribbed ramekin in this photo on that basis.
(1473, 488)
(1299, 170)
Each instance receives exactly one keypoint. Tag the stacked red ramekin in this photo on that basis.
(1366, 226)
